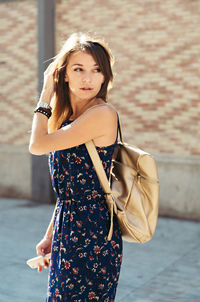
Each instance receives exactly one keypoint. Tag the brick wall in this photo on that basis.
(157, 50)
(156, 45)
(18, 64)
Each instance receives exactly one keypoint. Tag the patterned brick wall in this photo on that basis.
(157, 49)
(18, 65)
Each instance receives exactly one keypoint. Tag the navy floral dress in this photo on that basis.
(84, 266)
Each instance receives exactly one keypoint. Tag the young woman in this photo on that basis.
(84, 265)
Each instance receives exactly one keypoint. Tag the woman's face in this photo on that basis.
(83, 76)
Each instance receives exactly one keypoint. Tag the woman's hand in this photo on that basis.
(49, 83)
(43, 248)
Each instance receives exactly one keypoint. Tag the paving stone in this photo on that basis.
(166, 269)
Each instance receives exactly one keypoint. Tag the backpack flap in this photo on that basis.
(135, 191)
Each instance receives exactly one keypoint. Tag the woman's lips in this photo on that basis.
(86, 88)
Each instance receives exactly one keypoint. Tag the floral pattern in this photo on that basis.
(84, 266)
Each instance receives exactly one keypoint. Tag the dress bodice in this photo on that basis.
(72, 171)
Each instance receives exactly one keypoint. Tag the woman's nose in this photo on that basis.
(87, 77)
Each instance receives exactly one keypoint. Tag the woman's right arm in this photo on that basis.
(44, 246)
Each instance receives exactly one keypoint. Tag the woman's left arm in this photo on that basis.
(40, 121)
(94, 123)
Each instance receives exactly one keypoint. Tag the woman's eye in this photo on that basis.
(97, 70)
(78, 69)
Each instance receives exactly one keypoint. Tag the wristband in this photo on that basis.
(44, 111)
(43, 105)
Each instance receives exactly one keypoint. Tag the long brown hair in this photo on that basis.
(100, 52)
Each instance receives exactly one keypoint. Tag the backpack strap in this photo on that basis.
(103, 181)
(119, 130)
(102, 175)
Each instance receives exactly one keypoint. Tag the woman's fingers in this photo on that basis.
(46, 263)
(43, 248)
(39, 250)
(50, 69)
(49, 83)
(39, 268)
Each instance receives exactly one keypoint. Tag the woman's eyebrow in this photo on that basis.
(78, 64)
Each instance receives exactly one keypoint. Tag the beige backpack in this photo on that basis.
(132, 191)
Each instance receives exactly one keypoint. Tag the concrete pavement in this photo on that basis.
(165, 269)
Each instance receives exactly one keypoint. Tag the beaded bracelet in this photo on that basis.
(44, 111)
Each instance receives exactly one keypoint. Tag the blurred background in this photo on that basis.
(156, 45)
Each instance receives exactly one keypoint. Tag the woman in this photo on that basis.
(84, 265)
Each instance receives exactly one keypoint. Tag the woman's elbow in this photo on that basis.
(34, 149)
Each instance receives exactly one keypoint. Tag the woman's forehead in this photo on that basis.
(81, 58)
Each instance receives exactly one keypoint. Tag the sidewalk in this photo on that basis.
(163, 270)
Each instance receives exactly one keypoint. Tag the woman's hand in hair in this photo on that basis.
(49, 83)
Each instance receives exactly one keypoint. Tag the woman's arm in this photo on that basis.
(49, 230)
(48, 235)
(44, 246)
(92, 124)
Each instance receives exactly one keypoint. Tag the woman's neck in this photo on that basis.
(78, 107)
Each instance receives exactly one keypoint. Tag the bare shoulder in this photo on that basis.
(98, 122)
(103, 111)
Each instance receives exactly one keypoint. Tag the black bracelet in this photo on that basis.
(45, 111)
